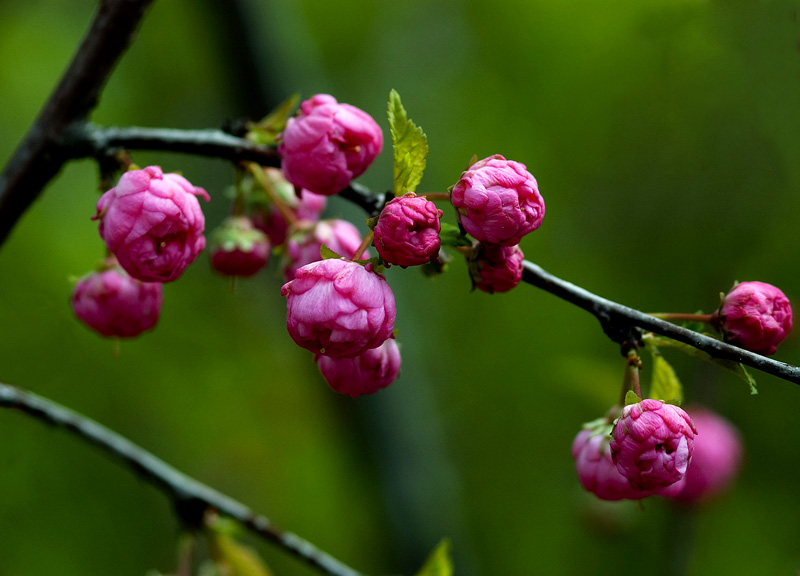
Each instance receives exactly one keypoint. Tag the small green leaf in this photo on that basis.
(327, 253)
(409, 147)
(450, 235)
(631, 398)
(439, 562)
(729, 365)
(665, 384)
(267, 130)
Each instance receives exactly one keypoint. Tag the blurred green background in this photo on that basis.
(665, 138)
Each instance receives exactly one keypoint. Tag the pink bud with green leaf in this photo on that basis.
(304, 246)
(339, 308)
(754, 315)
(238, 248)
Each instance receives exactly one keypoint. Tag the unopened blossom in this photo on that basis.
(495, 268)
(652, 443)
(407, 232)
(238, 248)
(116, 305)
(328, 144)
(152, 223)
(596, 470)
(756, 316)
(716, 459)
(497, 201)
(366, 373)
(339, 308)
(304, 246)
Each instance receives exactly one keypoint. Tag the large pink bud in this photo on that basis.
(596, 470)
(153, 224)
(756, 316)
(496, 268)
(652, 443)
(407, 232)
(116, 305)
(497, 201)
(339, 308)
(328, 145)
(366, 373)
(716, 459)
(304, 246)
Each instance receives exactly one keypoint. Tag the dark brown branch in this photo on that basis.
(40, 155)
(190, 496)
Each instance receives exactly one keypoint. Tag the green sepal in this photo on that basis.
(664, 384)
(439, 563)
(631, 398)
(327, 254)
(409, 147)
(451, 235)
(230, 557)
(267, 130)
(730, 365)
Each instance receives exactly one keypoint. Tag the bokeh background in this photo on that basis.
(665, 136)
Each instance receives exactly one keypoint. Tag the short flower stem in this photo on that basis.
(631, 379)
(287, 213)
(364, 245)
(434, 196)
(678, 317)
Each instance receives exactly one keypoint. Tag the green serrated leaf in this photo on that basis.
(409, 147)
(326, 253)
(267, 130)
(450, 235)
(631, 398)
(729, 365)
(664, 384)
(439, 562)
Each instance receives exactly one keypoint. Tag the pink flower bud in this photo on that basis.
(114, 304)
(407, 232)
(755, 316)
(716, 459)
(339, 308)
(304, 247)
(238, 248)
(652, 443)
(497, 201)
(366, 373)
(328, 145)
(596, 469)
(269, 219)
(153, 224)
(496, 268)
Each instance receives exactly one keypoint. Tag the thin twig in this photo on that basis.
(190, 496)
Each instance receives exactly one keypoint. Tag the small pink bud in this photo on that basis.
(114, 304)
(497, 201)
(407, 232)
(328, 144)
(304, 247)
(496, 268)
(366, 373)
(153, 224)
(652, 443)
(238, 248)
(339, 308)
(755, 316)
(596, 469)
(716, 459)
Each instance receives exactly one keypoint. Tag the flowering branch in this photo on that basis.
(191, 497)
